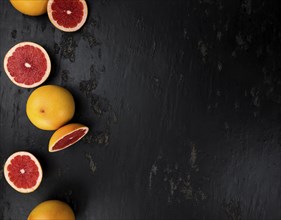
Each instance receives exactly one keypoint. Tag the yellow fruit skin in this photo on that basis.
(66, 129)
(30, 7)
(49, 107)
(51, 210)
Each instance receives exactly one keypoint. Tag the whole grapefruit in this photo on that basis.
(30, 7)
(52, 210)
(49, 107)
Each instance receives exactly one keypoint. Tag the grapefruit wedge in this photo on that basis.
(66, 136)
(23, 172)
(27, 64)
(68, 16)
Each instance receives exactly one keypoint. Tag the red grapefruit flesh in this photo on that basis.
(23, 172)
(68, 16)
(66, 136)
(27, 64)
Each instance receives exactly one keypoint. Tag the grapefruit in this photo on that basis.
(49, 107)
(68, 16)
(30, 7)
(67, 136)
(23, 172)
(27, 64)
(52, 210)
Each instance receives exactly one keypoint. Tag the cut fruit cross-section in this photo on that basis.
(68, 16)
(27, 64)
(23, 172)
(67, 136)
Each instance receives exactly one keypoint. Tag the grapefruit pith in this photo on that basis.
(68, 16)
(23, 172)
(52, 210)
(27, 64)
(66, 136)
(49, 107)
(30, 7)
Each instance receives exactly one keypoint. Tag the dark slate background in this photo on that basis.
(183, 101)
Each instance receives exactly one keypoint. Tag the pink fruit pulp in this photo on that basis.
(69, 139)
(27, 65)
(67, 13)
(23, 171)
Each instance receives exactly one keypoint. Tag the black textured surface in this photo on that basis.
(183, 101)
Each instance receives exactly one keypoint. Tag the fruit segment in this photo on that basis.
(67, 136)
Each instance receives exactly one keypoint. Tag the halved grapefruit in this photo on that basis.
(66, 136)
(23, 172)
(27, 64)
(68, 16)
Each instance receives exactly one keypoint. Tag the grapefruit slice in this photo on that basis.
(68, 16)
(23, 172)
(66, 136)
(27, 64)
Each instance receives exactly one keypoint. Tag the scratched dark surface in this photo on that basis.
(183, 101)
